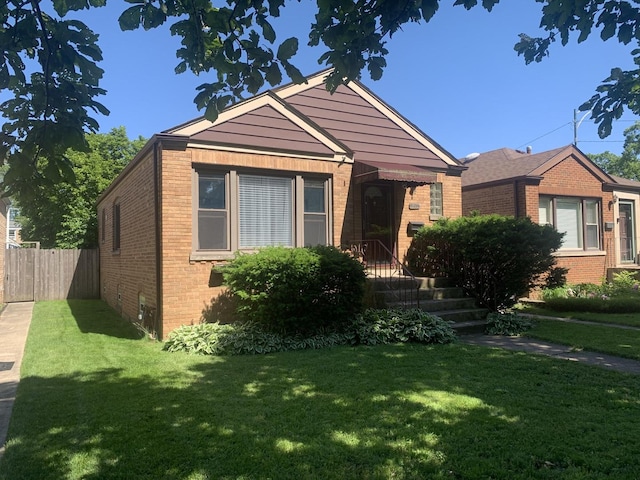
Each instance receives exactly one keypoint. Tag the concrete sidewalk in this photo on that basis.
(531, 345)
(14, 326)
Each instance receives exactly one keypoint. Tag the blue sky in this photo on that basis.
(457, 78)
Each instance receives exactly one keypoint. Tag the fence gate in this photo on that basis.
(20, 265)
(33, 274)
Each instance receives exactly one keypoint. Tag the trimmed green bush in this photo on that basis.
(495, 259)
(596, 304)
(506, 324)
(296, 290)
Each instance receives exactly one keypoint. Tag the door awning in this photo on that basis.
(368, 171)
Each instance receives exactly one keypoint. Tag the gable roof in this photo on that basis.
(350, 124)
(507, 164)
(264, 123)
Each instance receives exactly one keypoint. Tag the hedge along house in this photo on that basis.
(294, 166)
(561, 187)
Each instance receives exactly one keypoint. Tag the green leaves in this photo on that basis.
(495, 259)
(65, 216)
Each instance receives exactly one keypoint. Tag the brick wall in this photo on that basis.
(185, 282)
(584, 269)
(130, 273)
(494, 199)
(421, 197)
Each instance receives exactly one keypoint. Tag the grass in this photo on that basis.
(629, 319)
(97, 402)
(596, 338)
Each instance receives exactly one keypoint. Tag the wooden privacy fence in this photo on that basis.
(34, 274)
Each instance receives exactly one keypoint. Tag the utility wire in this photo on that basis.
(544, 135)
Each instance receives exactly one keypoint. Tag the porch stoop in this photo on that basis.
(437, 297)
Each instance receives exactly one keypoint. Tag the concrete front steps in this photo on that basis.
(437, 297)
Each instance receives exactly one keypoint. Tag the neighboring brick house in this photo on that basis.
(561, 187)
(293, 166)
(626, 211)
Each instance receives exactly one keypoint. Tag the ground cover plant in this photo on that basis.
(595, 338)
(97, 402)
(372, 327)
(506, 323)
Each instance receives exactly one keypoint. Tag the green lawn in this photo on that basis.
(629, 319)
(596, 338)
(97, 403)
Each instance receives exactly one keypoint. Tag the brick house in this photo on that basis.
(564, 188)
(292, 166)
(626, 206)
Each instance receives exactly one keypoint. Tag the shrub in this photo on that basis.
(596, 304)
(375, 327)
(621, 295)
(506, 324)
(495, 259)
(623, 283)
(296, 290)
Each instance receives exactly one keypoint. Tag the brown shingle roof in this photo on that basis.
(626, 182)
(504, 164)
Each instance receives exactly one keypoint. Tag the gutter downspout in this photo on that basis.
(158, 236)
(516, 203)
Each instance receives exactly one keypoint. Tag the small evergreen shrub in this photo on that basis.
(375, 327)
(296, 290)
(495, 259)
(506, 324)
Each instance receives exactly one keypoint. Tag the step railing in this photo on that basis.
(381, 263)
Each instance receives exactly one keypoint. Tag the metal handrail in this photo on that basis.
(380, 262)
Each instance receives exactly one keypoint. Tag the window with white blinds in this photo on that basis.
(265, 211)
(244, 210)
(578, 218)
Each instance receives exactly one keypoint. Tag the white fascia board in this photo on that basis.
(266, 99)
(336, 157)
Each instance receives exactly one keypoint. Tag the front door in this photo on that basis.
(626, 224)
(377, 220)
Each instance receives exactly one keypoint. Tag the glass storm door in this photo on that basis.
(626, 224)
(377, 221)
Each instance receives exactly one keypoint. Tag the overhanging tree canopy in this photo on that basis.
(48, 64)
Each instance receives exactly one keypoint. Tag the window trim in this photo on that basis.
(437, 188)
(116, 223)
(232, 175)
(582, 203)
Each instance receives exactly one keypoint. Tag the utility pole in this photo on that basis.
(576, 124)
